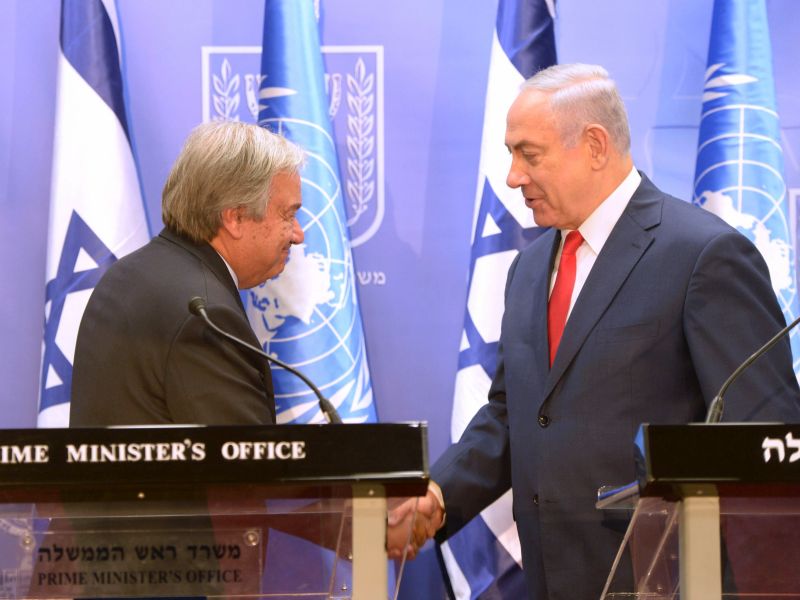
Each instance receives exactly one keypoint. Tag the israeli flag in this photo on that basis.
(484, 559)
(308, 316)
(739, 173)
(96, 209)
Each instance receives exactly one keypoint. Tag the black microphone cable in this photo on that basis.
(197, 306)
(714, 414)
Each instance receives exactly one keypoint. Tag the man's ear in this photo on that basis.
(232, 221)
(598, 144)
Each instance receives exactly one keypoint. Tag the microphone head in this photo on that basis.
(197, 306)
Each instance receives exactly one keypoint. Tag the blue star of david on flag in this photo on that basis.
(739, 171)
(79, 242)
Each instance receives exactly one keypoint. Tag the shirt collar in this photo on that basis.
(230, 270)
(597, 227)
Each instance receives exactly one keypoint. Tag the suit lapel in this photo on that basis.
(628, 241)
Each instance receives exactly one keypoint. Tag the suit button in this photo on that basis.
(536, 499)
(544, 420)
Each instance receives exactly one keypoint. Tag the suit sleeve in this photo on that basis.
(476, 470)
(730, 311)
(211, 380)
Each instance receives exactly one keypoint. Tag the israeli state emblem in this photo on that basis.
(232, 90)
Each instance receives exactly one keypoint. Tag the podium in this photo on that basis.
(717, 514)
(289, 511)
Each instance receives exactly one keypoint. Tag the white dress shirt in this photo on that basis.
(595, 231)
(230, 270)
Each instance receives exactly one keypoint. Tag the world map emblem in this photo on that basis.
(308, 316)
(739, 176)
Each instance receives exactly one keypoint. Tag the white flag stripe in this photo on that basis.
(488, 282)
(458, 582)
(472, 387)
(89, 140)
(503, 85)
(74, 305)
(498, 518)
(54, 416)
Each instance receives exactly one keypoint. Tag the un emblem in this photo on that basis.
(740, 171)
(308, 315)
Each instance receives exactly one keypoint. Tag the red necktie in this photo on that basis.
(561, 295)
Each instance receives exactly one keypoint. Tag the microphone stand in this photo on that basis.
(714, 414)
(197, 306)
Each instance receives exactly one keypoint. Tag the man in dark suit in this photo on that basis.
(634, 307)
(229, 207)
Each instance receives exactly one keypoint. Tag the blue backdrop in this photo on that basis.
(433, 66)
(431, 80)
(429, 60)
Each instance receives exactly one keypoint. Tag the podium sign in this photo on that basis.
(111, 561)
(248, 512)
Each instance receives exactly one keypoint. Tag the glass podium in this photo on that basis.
(717, 515)
(218, 512)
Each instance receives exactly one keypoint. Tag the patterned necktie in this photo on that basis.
(558, 306)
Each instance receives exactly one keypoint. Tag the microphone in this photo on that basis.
(714, 414)
(197, 306)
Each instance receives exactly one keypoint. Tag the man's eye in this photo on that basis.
(530, 157)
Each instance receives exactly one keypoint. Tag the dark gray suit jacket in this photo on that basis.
(675, 301)
(142, 358)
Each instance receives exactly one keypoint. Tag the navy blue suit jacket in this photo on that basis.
(675, 301)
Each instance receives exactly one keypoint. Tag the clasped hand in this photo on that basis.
(421, 516)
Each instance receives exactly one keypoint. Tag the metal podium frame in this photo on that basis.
(688, 473)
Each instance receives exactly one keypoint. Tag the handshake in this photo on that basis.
(413, 523)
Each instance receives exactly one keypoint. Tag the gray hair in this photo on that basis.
(224, 164)
(581, 95)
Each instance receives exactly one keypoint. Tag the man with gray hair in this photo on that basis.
(229, 206)
(634, 307)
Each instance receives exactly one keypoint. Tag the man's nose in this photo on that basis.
(297, 233)
(516, 177)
